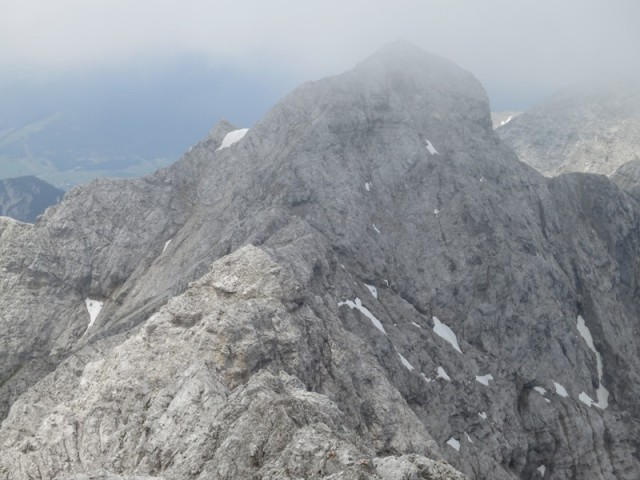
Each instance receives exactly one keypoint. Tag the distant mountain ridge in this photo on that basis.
(593, 128)
(24, 198)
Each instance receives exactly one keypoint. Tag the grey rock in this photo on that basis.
(252, 344)
(592, 128)
(104, 475)
(414, 467)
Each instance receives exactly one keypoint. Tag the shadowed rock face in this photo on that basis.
(589, 128)
(367, 280)
(24, 198)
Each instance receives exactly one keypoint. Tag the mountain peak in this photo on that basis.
(402, 52)
(220, 129)
(399, 85)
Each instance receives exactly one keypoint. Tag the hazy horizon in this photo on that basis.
(155, 76)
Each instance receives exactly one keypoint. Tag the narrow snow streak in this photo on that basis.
(416, 325)
(431, 148)
(482, 415)
(453, 443)
(376, 228)
(365, 311)
(504, 122)
(373, 290)
(601, 392)
(484, 379)
(166, 244)
(232, 137)
(367, 186)
(405, 362)
(468, 437)
(446, 333)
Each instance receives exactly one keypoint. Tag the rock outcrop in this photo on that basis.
(589, 128)
(367, 284)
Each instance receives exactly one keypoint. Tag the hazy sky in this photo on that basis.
(519, 49)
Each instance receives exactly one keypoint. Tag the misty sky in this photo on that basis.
(251, 52)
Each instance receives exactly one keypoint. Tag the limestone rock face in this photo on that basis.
(368, 284)
(589, 128)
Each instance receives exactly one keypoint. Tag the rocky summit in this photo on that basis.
(367, 284)
(592, 127)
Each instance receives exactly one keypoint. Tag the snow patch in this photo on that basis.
(431, 149)
(482, 415)
(586, 399)
(601, 392)
(94, 307)
(232, 137)
(376, 228)
(540, 390)
(373, 290)
(426, 379)
(542, 470)
(453, 443)
(405, 362)
(585, 333)
(357, 304)
(446, 333)
(436, 212)
(560, 390)
(367, 186)
(504, 122)
(443, 375)
(166, 244)
(484, 379)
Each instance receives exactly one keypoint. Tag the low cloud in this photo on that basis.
(525, 46)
